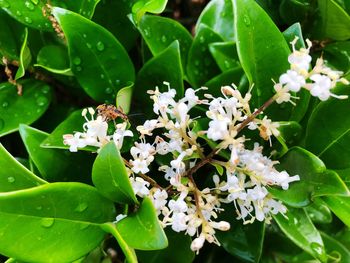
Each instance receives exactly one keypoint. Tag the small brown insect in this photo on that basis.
(110, 112)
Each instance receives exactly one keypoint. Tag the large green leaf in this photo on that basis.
(13, 175)
(332, 144)
(218, 15)
(56, 222)
(336, 22)
(263, 53)
(56, 165)
(179, 245)
(298, 227)
(201, 66)
(334, 247)
(28, 12)
(98, 60)
(110, 177)
(15, 109)
(160, 32)
(140, 7)
(315, 180)
(225, 55)
(142, 229)
(155, 72)
(340, 206)
(84, 7)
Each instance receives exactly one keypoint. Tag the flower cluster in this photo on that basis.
(96, 133)
(320, 80)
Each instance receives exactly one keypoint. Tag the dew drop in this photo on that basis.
(28, 20)
(18, 13)
(246, 20)
(29, 5)
(39, 238)
(147, 32)
(47, 222)
(45, 89)
(11, 179)
(84, 35)
(102, 76)
(108, 90)
(76, 61)
(39, 208)
(100, 46)
(201, 39)
(4, 4)
(89, 45)
(5, 104)
(164, 39)
(317, 248)
(47, 24)
(2, 124)
(41, 101)
(78, 68)
(227, 64)
(295, 221)
(117, 81)
(81, 207)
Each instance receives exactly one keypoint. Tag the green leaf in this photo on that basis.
(333, 246)
(54, 58)
(335, 21)
(56, 222)
(84, 7)
(10, 36)
(319, 212)
(243, 241)
(294, 31)
(315, 180)
(13, 175)
(24, 109)
(98, 60)
(331, 145)
(155, 72)
(340, 206)
(73, 123)
(225, 55)
(179, 245)
(142, 229)
(28, 13)
(124, 97)
(338, 55)
(159, 32)
(263, 53)
(128, 251)
(140, 7)
(201, 66)
(24, 57)
(218, 15)
(110, 177)
(290, 131)
(56, 165)
(298, 227)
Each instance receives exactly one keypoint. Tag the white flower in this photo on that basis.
(159, 199)
(139, 166)
(218, 129)
(142, 150)
(139, 186)
(321, 87)
(96, 128)
(147, 127)
(179, 222)
(198, 243)
(74, 141)
(120, 133)
(292, 80)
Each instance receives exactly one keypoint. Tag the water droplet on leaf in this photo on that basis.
(18, 13)
(246, 20)
(164, 39)
(11, 179)
(28, 20)
(100, 46)
(317, 248)
(81, 207)
(4, 4)
(41, 101)
(76, 61)
(108, 90)
(29, 5)
(5, 104)
(47, 222)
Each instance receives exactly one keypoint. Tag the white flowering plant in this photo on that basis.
(154, 138)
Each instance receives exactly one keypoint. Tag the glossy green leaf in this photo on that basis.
(334, 247)
(28, 13)
(263, 53)
(331, 145)
(340, 206)
(24, 109)
(13, 175)
(110, 177)
(315, 180)
(112, 15)
(24, 57)
(56, 165)
(142, 229)
(179, 245)
(159, 32)
(98, 60)
(10, 37)
(54, 58)
(84, 7)
(155, 72)
(292, 11)
(335, 21)
(319, 212)
(140, 7)
(124, 98)
(201, 66)
(338, 55)
(290, 131)
(243, 241)
(218, 15)
(292, 32)
(129, 252)
(56, 222)
(225, 55)
(74, 123)
(298, 227)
